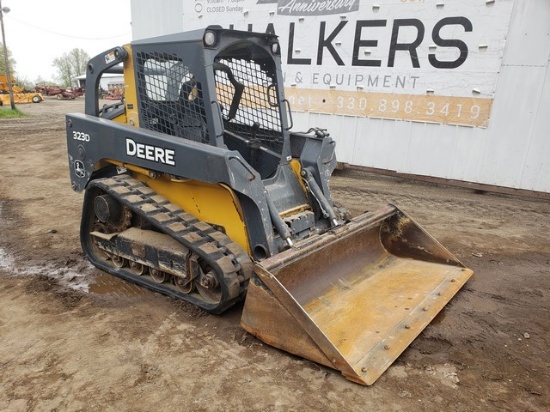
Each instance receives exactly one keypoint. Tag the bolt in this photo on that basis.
(209, 281)
(386, 347)
(81, 152)
(425, 309)
(363, 369)
(407, 326)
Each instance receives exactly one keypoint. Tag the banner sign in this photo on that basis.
(418, 60)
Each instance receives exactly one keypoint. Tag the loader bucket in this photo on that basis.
(354, 298)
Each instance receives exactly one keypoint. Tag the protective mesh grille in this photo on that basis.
(258, 113)
(171, 98)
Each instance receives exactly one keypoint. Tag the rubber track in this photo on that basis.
(230, 262)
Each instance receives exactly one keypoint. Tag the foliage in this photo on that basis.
(43, 82)
(24, 83)
(71, 65)
(3, 62)
(7, 112)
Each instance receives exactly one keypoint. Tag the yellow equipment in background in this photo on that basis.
(20, 95)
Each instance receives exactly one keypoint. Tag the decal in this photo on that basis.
(415, 60)
(83, 137)
(110, 57)
(79, 169)
(149, 152)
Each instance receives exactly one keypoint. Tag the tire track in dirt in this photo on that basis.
(464, 221)
(451, 205)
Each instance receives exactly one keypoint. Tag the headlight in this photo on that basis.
(209, 38)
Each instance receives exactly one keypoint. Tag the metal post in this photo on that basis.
(6, 59)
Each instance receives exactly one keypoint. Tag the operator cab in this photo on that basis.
(236, 73)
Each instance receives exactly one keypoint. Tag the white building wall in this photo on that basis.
(512, 151)
(155, 18)
(106, 79)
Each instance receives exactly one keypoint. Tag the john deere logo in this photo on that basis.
(79, 169)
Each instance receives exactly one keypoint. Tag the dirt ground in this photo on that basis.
(72, 338)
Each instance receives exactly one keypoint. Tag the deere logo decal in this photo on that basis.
(148, 152)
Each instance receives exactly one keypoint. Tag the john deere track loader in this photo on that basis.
(195, 187)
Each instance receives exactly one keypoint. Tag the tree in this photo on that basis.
(43, 82)
(2, 61)
(71, 65)
(64, 70)
(23, 82)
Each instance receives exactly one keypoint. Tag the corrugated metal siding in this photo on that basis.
(508, 137)
(156, 18)
(513, 151)
(528, 42)
(536, 165)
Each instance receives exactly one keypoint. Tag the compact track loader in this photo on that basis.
(195, 187)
